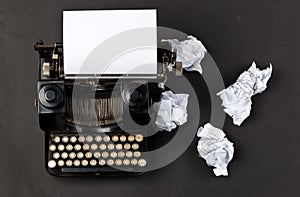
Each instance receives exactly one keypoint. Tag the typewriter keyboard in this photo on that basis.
(95, 152)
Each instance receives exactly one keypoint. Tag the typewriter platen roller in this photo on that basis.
(82, 118)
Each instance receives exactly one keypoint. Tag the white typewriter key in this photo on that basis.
(73, 139)
(114, 138)
(79, 155)
(81, 138)
(106, 138)
(137, 154)
(52, 147)
(126, 162)
(119, 146)
(64, 155)
(89, 138)
(122, 138)
(69, 163)
(69, 147)
(102, 146)
(128, 154)
(56, 139)
(135, 146)
(118, 162)
(65, 139)
(110, 162)
(51, 164)
(61, 147)
(142, 163)
(121, 154)
(113, 154)
(77, 147)
(97, 155)
(94, 146)
(84, 162)
(76, 162)
(88, 155)
(72, 155)
(139, 138)
(131, 138)
(93, 162)
(133, 162)
(105, 155)
(85, 147)
(98, 138)
(110, 146)
(61, 163)
(101, 162)
(127, 146)
(55, 155)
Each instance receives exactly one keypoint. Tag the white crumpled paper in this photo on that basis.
(190, 52)
(170, 111)
(237, 97)
(215, 148)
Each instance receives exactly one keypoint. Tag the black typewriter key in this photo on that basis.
(65, 139)
(84, 162)
(93, 162)
(69, 147)
(126, 162)
(139, 138)
(94, 146)
(129, 154)
(61, 163)
(127, 146)
(89, 138)
(113, 155)
(56, 139)
(77, 147)
(102, 146)
(101, 162)
(55, 155)
(64, 155)
(61, 147)
(121, 154)
(135, 146)
(118, 162)
(133, 162)
(97, 155)
(73, 139)
(51, 164)
(105, 155)
(80, 155)
(76, 163)
(131, 138)
(81, 139)
(110, 162)
(85, 147)
(98, 138)
(115, 138)
(72, 155)
(110, 146)
(142, 163)
(119, 146)
(122, 138)
(52, 147)
(106, 138)
(137, 154)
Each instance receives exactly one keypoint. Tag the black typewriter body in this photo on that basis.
(87, 121)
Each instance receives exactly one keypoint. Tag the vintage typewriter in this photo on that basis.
(94, 143)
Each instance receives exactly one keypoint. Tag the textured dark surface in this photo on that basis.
(266, 161)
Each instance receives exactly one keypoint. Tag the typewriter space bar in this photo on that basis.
(91, 170)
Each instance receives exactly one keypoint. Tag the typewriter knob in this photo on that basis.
(50, 95)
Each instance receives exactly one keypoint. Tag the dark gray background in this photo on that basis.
(236, 32)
